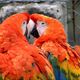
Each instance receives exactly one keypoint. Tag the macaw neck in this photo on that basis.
(71, 53)
(50, 37)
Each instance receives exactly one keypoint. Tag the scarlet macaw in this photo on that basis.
(18, 59)
(52, 40)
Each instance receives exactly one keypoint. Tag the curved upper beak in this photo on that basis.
(32, 29)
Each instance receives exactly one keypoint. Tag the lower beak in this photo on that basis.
(34, 32)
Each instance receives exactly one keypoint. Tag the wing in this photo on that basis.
(64, 59)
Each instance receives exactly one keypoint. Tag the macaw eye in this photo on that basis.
(24, 22)
(41, 27)
(24, 26)
(41, 24)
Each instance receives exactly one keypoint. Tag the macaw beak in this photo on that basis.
(34, 32)
(32, 29)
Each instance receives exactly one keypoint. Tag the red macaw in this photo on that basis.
(52, 40)
(18, 59)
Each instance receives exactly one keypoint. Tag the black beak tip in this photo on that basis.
(35, 33)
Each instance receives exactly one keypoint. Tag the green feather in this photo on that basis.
(1, 77)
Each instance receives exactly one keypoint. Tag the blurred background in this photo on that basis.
(67, 11)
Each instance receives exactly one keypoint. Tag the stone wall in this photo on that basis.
(8, 1)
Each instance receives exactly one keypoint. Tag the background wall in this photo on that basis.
(73, 8)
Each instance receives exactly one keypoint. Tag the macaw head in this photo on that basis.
(18, 22)
(47, 28)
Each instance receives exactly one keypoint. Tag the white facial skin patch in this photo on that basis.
(41, 27)
(24, 25)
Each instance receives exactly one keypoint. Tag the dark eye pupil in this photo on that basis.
(24, 22)
(42, 23)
